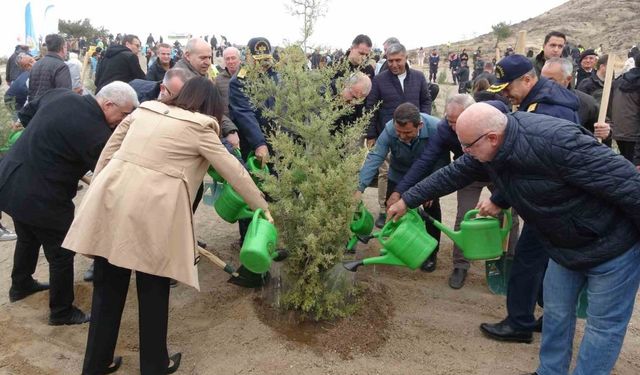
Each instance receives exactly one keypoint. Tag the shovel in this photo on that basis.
(242, 276)
(497, 271)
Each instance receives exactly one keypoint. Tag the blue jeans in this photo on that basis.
(611, 291)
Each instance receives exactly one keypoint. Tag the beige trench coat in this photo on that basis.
(137, 211)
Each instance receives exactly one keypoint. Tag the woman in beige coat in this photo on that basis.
(137, 215)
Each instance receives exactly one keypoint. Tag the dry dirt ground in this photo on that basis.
(412, 324)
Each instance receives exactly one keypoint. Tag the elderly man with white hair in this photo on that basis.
(581, 199)
(63, 138)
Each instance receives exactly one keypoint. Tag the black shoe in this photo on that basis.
(117, 361)
(381, 220)
(429, 265)
(88, 274)
(503, 332)
(202, 244)
(456, 280)
(76, 317)
(176, 363)
(538, 326)
(18, 294)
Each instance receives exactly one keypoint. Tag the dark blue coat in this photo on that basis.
(386, 88)
(549, 98)
(581, 198)
(18, 91)
(442, 143)
(252, 126)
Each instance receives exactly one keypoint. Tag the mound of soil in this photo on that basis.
(365, 332)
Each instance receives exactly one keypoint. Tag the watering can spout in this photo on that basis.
(353, 265)
(455, 236)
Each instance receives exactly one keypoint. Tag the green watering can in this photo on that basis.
(12, 140)
(478, 237)
(215, 175)
(405, 243)
(259, 246)
(361, 226)
(254, 167)
(230, 205)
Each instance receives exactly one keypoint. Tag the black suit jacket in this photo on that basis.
(62, 140)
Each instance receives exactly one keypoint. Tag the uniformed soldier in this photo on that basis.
(253, 127)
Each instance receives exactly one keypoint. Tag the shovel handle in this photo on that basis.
(217, 261)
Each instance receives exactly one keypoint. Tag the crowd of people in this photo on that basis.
(148, 135)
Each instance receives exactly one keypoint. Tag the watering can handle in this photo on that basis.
(384, 232)
(507, 227)
(470, 213)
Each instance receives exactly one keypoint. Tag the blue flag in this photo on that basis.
(29, 33)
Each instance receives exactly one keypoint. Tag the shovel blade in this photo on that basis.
(497, 274)
(248, 279)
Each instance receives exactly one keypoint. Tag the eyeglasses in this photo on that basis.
(469, 145)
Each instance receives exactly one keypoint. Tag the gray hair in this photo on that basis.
(231, 49)
(532, 73)
(390, 41)
(359, 78)
(396, 48)
(182, 74)
(463, 100)
(119, 93)
(21, 56)
(565, 64)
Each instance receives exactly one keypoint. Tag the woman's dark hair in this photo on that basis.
(199, 94)
(480, 85)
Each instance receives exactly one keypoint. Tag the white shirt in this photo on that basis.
(401, 78)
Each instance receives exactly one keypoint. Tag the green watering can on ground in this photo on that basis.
(405, 243)
(230, 205)
(361, 226)
(259, 246)
(479, 238)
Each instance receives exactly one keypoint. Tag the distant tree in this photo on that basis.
(81, 28)
(501, 31)
(310, 10)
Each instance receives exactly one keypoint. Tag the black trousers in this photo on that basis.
(433, 74)
(626, 149)
(110, 286)
(25, 259)
(434, 211)
(526, 279)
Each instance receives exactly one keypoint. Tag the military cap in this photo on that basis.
(259, 48)
(509, 69)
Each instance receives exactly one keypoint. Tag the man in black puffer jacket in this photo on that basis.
(518, 81)
(120, 63)
(580, 199)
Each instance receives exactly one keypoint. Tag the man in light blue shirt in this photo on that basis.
(404, 138)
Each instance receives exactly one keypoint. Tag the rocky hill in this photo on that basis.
(612, 23)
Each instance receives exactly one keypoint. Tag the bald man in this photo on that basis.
(196, 62)
(580, 199)
(197, 58)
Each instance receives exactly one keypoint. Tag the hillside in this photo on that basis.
(614, 23)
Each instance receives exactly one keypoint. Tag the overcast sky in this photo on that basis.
(415, 23)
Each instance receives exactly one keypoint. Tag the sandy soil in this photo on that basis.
(413, 323)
